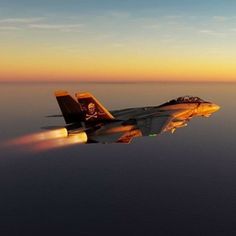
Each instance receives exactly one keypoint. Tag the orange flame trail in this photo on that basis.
(46, 140)
(61, 142)
(37, 137)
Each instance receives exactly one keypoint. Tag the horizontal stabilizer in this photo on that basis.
(52, 127)
(52, 116)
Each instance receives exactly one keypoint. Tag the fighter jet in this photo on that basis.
(88, 119)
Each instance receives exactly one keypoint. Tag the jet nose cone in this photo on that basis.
(215, 107)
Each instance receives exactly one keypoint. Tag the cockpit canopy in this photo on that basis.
(184, 99)
(189, 99)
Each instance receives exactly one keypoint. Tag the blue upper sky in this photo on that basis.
(208, 7)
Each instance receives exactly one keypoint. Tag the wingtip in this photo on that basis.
(60, 93)
(83, 95)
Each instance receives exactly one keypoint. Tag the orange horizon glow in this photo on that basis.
(177, 72)
(51, 67)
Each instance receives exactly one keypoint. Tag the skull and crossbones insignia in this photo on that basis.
(91, 111)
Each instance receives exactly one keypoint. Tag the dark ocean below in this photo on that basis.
(173, 184)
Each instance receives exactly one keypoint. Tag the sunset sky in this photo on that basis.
(118, 40)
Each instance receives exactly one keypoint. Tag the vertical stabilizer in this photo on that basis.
(70, 109)
(92, 108)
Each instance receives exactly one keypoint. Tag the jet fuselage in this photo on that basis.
(88, 116)
(127, 118)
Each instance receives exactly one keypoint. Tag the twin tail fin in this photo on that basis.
(86, 109)
(92, 108)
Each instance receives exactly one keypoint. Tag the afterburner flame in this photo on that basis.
(47, 140)
(61, 142)
(38, 137)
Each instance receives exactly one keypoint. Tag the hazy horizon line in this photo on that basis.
(117, 81)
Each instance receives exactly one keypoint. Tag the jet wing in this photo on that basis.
(146, 126)
(153, 125)
(128, 136)
(156, 124)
